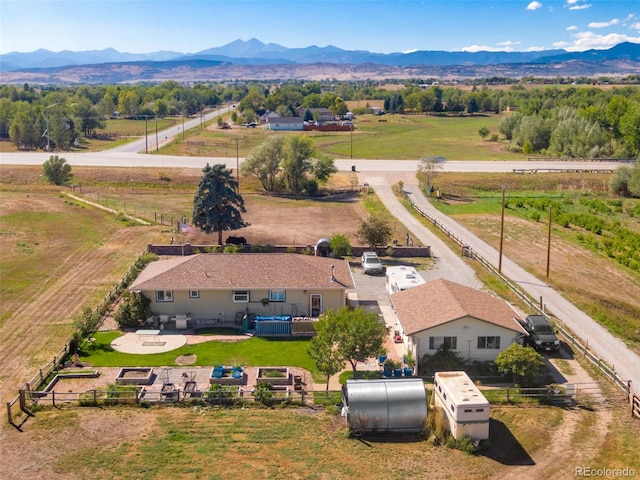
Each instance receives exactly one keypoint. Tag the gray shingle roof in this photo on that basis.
(442, 301)
(220, 271)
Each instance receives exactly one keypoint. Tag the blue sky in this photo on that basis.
(189, 26)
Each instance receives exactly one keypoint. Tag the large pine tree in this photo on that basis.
(218, 206)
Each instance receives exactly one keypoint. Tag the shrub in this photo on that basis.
(263, 393)
(133, 311)
(340, 245)
(57, 171)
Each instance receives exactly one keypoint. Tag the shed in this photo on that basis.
(385, 405)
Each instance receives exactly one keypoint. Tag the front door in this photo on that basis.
(316, 304)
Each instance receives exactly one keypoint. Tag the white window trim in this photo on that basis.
(241, 296)
(194, 293)
(277, 296)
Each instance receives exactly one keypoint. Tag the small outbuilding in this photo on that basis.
(385, 405)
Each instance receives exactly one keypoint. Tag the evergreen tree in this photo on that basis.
(218, 206)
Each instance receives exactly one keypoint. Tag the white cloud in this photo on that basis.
(535, 49)
(410, 51)
(614, 21)
(582, 6)
(589, 40)
(561, 44)
(534, 5)
(636, 26)
(507, 44)
(571, 27)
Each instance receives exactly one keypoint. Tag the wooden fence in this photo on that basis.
(635, 406)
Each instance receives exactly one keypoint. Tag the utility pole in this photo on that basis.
(146, 134)
(238, 161)
(501, 231)
(352, 140)
(156, 133)
(549, 242)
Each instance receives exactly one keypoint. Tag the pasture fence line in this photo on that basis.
(565, 395)
(467, 251)
(129, 210)
(578, 159)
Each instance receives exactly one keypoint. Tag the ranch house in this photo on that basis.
(446, 315)
(210, 287)
(284, 123)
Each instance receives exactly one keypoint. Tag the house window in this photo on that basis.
(479, 409)
(489, 342)
(164, 296)
(277, 296)
(194, 293)
(241, 296)
(443, 343)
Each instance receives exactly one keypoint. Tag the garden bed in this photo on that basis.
(273, 376)
(134, 376)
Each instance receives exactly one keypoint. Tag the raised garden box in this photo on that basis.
(134, 376)
(274, 375)
(227, 376)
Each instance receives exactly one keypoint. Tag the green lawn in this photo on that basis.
(389, 137)
(253, 351)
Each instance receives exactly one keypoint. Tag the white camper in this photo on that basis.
(402, 278)
(466, 409)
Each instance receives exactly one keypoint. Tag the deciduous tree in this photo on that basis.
(354, 335)
(263, 162)
(524, 363)
(323, 349)
(375, 231)
(57, 170)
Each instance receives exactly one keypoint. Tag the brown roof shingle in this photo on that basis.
(442, 301)
(222, 271)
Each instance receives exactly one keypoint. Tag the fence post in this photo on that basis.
(507, 394)
(53, 398)
(10, 416)
(22, 400)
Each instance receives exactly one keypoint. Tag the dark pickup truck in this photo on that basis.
(541, 334)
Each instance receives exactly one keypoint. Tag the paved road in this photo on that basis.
(610, 349)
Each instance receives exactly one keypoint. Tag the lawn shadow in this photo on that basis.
(505, 448)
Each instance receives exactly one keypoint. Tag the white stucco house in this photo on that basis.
(444, 314)
(217, 286)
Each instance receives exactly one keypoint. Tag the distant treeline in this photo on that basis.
(568, 117)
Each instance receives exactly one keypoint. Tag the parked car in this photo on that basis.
(252, 125)
(371, 263)
(541, 334)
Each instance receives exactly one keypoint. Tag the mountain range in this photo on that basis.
(255, 59)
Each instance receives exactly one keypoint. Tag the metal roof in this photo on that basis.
(385, 405)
